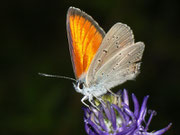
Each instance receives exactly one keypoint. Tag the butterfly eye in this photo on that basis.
(81, 85)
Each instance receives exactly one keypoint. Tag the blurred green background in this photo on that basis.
(33, 39)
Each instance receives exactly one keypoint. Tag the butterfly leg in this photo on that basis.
(90, 101)
(100, 100)
(82, 100)
(114, 94)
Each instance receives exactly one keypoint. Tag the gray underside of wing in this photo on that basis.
(117, 54)
(118, 37)
(124, 66)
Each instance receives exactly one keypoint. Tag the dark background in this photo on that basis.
(33, 39)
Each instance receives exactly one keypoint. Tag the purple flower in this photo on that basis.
(116, 118)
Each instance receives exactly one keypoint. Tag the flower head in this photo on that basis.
(116, 118)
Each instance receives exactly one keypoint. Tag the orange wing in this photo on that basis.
(85, 37)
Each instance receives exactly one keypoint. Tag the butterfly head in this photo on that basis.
(79, 86)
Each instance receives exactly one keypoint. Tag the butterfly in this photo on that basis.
(101, 60)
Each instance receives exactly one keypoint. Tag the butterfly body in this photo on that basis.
(101, 61)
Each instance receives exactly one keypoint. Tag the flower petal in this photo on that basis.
(129, 113)
(121, 114)
(106, 110)
(162, 131)
(136, 106)
(128, 131)
(101, 121)
(113, 118)
(94, 126)
(125, 97)
(142, 111)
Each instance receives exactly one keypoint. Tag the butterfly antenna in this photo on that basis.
(57, 76)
